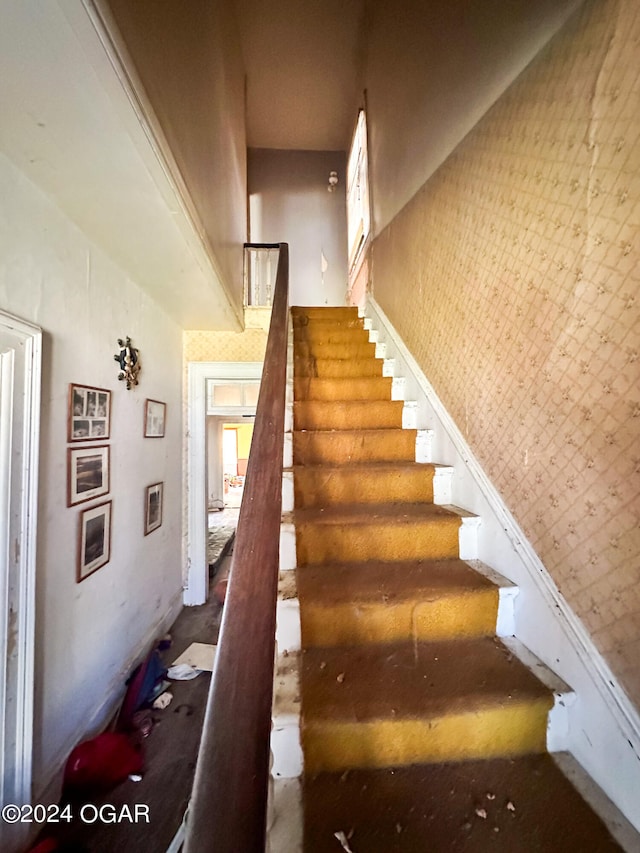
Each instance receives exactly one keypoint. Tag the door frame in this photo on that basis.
(358, 197)
(20, 383)
(196, 586)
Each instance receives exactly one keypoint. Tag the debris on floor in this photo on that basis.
(163, 701)
(182, 672)
(342, 838)
(220, 590)
(101, 763)
(219, 543)
(165, 744)
(198, 655)
(145, 684)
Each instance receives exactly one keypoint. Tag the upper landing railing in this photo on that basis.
(228, 808)
(260, 269)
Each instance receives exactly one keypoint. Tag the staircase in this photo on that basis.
(420, 730)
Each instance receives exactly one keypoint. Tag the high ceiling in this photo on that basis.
(288, 45)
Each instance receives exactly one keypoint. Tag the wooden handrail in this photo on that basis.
(227, 812)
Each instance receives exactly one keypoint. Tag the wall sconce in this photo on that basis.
(333, 181)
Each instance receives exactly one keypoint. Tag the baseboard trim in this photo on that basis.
(604, 734)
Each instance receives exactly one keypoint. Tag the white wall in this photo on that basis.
(89, 634)
(289, 202)
(189, 59)
(72, 122)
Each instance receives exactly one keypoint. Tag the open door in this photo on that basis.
(358, 210)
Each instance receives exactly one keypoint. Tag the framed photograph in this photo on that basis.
(153, 507)
(154, 417)
(89, 413)
(87, 473)
(94, 539)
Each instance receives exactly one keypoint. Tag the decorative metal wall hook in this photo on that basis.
(129, 360)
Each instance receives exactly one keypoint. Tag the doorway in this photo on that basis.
(236, 441)
(228, 392)
(358, 202)
(20, 378)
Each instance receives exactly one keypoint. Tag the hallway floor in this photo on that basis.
(170, 753)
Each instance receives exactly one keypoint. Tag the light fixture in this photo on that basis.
(333, 180)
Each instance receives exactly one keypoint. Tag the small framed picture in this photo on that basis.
(154, 418)
(153, 507)
(87, 473)
(89, 413)
(94, 539)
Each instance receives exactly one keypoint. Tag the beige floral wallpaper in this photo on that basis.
(513, 276)
(249, 345)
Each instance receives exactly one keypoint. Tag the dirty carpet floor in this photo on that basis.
(524, 805)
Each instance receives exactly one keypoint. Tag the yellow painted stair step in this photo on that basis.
(332, 389)
(337, 368)
(352, 414)
(370, 482)
(315, 447)
(302, 313)
(329, 334)
(377, 602)
(357, 532)
(337, 350)
(403, 703)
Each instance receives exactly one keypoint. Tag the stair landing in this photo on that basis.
(522, 805)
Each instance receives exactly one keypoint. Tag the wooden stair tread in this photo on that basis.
(413, 680)
(432, 809)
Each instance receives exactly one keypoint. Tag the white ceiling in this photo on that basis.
(288, 45)
(69, 125)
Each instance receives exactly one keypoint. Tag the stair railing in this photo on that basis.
(260, 264)
(228, 807)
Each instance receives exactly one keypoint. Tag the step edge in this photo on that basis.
(473, 705)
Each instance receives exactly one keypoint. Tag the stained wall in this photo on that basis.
(513, 276)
